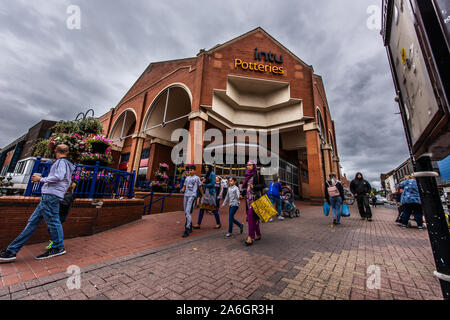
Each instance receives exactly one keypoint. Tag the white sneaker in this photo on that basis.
(280, 218)
(271, 219)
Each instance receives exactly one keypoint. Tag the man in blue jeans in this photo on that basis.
(274, 195)
(53, 190)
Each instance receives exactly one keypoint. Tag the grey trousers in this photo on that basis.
(188, 205)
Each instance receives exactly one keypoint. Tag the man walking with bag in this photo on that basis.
(53, 190)
(361, 189)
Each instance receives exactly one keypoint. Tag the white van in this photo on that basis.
(22, 172)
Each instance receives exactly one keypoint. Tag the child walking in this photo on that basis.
(274, 195)
(190, 188)
(232, 197)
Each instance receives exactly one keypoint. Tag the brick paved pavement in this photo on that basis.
(302, 258)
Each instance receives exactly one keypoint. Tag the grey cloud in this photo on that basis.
(48, 71)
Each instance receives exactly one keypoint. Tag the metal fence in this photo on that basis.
(92, 181)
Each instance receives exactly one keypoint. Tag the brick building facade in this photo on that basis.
(24, 146)
(251, 83)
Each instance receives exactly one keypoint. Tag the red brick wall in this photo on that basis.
(159, 153)
(84, 219)
(220, 63)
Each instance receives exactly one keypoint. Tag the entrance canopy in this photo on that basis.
(255, 103)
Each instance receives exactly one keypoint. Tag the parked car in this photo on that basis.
(381, 199)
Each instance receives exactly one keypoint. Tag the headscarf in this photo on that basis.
(249, 173)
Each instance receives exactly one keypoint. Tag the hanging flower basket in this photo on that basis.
(89, 158)
(163, 166)
(99, 147)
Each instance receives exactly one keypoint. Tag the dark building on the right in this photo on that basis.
(416, 34)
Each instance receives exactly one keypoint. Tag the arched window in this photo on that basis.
(332, 143)
(321, 126)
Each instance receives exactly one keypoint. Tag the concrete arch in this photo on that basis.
(122, 126)
(168, 111)
(321, 124)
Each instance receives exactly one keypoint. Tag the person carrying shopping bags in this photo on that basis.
(209, 201)
(334, 193)
(274, 195)
(252, 190)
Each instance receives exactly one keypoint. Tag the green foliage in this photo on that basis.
(42, 149)
(88, 126)
(65, 127)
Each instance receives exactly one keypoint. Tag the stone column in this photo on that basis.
(337, 166)
(136, 151)
(313, 150)
(197, 126)
(327, 159)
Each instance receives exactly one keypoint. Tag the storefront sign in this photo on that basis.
(259, 67)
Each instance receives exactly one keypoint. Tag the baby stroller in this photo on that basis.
(287, 203)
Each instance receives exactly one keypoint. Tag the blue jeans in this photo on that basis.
(277, 202)
(47, 209)
(336, 205)
(412, 208)
(216, 215)
(232, 220)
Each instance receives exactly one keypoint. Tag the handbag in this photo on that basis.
(264, 209)
(326, 209)
(345, 212)
(208, 201)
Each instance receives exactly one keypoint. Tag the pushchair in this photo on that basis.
(287, 203)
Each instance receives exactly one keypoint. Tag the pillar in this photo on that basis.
(138, 142)
(197, 124)
(336, 166)
(327, 160)
(315, 169)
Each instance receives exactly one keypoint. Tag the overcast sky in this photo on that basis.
(48, 71)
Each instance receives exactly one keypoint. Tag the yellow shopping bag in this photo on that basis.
(264, 209)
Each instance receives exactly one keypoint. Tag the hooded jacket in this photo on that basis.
(360, 186)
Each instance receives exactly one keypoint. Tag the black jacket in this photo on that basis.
(338, 186)
(360, 187)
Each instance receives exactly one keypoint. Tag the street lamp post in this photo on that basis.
(436, 223)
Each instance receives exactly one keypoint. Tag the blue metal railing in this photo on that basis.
(92, 181)
(148, 207)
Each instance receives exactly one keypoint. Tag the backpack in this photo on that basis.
(332, 190)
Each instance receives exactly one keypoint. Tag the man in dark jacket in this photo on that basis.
(361, 189)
